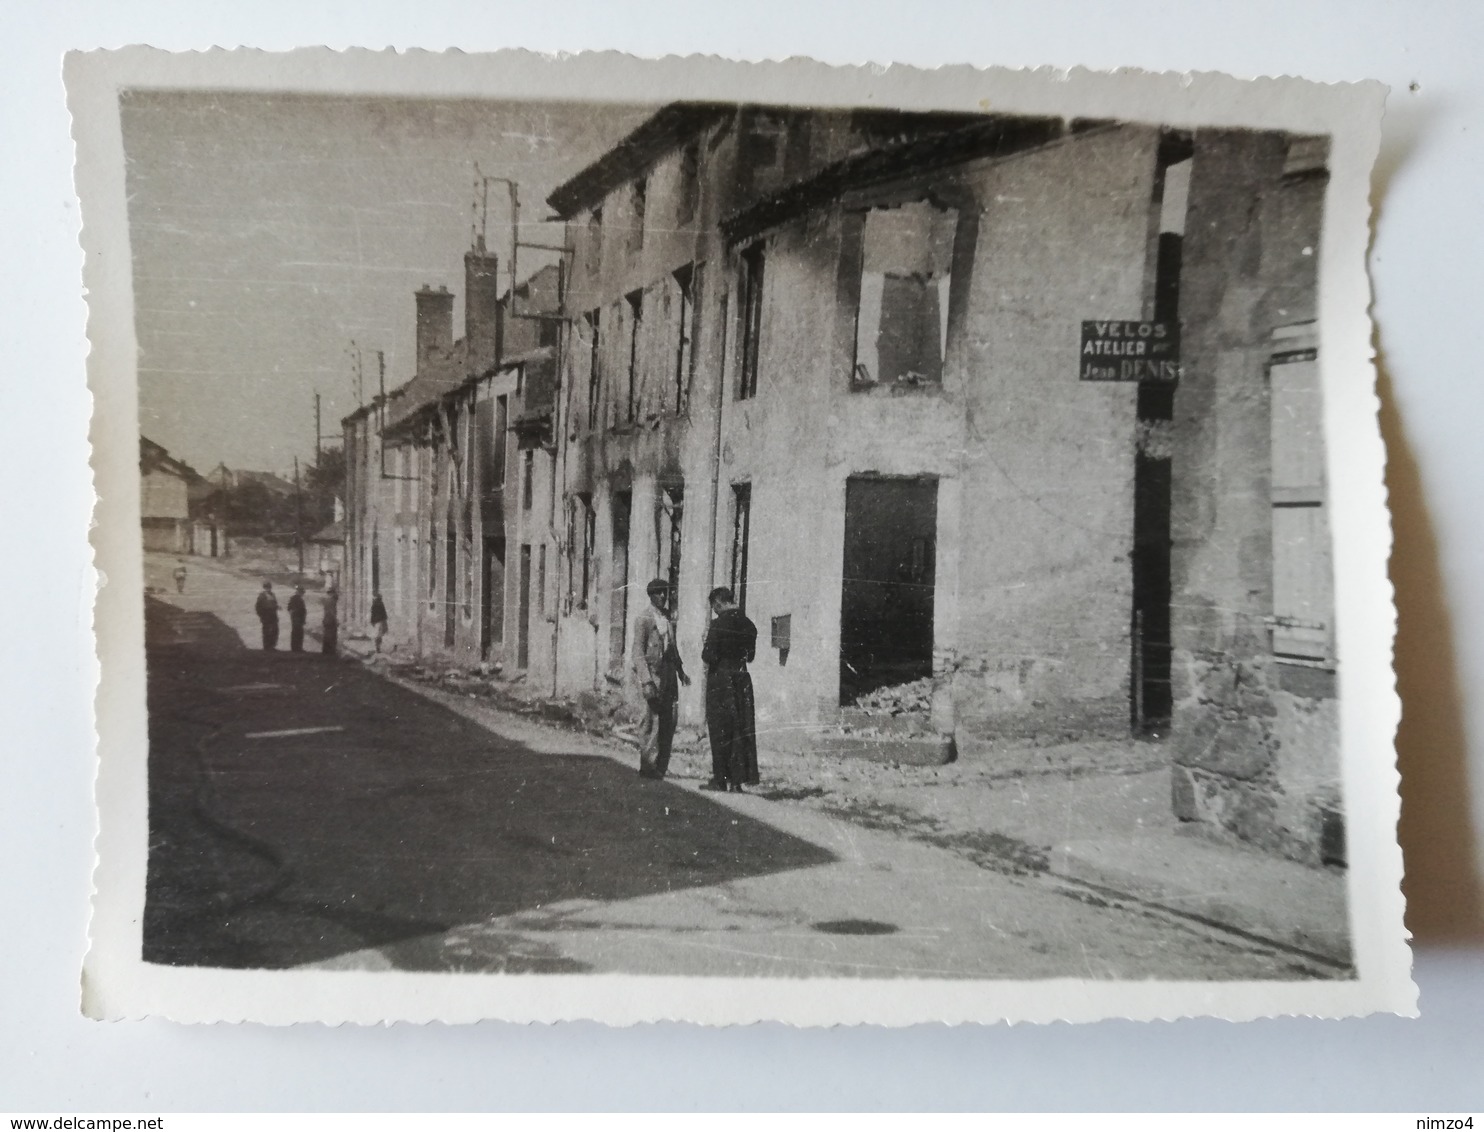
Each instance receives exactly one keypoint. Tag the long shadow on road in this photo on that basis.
(380, 817)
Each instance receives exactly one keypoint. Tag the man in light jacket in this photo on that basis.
(658, 673)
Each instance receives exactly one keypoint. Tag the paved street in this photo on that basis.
(306, 811)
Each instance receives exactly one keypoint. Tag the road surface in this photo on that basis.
(308, 812)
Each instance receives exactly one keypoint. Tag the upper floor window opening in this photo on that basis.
(594, 322)
(750, 314)
(687, 317)
(638, 206)
(901, 325)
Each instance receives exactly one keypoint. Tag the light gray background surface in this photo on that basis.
(1426, 264)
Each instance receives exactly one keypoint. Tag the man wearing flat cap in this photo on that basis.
(658, 673)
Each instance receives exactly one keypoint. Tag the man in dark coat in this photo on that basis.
(267, 610)
(297, 613)
(731, 723)
(658, 672)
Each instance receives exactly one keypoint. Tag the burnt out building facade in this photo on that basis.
(450, 479)
(840, 361)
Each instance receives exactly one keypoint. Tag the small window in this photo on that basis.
(741, 532)
(528, 473)
(901, 328)
(750, 301)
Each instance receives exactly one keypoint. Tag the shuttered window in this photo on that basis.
(1303, 581)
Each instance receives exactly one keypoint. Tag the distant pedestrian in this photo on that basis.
(267, 609)
(330, 622)
(378, 618)
(180, 576)
(297, 614)
(731, 720)
(659, 673)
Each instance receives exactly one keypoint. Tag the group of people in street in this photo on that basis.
(731, 724)
(267, 608)
(728, 648)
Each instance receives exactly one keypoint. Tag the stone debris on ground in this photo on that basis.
(916, 696)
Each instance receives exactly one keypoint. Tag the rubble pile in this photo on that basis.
(915, 697)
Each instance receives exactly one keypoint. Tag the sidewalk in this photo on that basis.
(1095, 816)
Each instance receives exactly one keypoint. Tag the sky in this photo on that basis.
(269, 231)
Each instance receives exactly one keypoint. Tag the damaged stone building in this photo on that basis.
(450, 478)
(889, 376)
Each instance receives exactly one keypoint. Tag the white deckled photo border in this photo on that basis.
(118, 984)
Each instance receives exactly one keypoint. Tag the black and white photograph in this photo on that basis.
(744, 540)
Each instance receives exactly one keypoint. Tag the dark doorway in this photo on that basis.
(618, 598)
(1151, 699)
(886, 602)
(523, 628)
(492, 604)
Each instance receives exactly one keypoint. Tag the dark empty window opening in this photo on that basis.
(741, 532)
(594, 368)
(636, 325)
(618, 600)
(750, 302)
(581, 536)
(528, 473)
(492, 593)
(639, 204)
(901, 326)
(890, 571)
(764, 140)
(685, 285)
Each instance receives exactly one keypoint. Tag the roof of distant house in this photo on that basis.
(155, 457)
(330, 532)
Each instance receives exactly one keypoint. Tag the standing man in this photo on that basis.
(658, 672)
(180, 575)
(267, 609)
(731, 721)
(378, 618)
(330, 622)
(297, 613)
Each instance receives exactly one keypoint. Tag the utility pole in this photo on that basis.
(318, 434)
(298, 516)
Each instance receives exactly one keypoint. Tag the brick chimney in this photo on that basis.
(482, 321)
(434, 324)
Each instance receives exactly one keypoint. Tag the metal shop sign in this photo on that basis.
(1114, 350)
